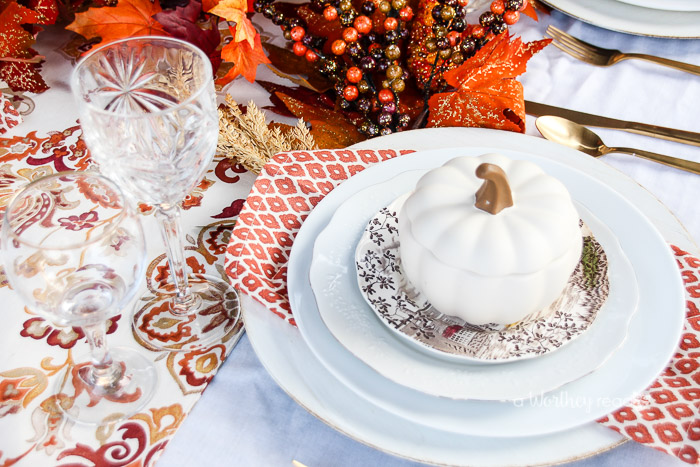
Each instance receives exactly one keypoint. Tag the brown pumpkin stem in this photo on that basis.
(494, 194)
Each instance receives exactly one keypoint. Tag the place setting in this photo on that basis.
(381, 232)
(345, 205)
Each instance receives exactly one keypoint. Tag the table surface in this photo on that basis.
(244, 418)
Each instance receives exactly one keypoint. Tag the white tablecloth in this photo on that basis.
(245, 419)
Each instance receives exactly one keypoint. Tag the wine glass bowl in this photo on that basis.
(75, 253)
(148, 111)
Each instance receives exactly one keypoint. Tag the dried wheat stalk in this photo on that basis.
(248, 139)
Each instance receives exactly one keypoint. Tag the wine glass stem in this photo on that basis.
(104, 372)
(169, 220)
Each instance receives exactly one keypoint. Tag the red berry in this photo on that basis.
(311, 56)
(354, 74)
(297, 33)
(524, 5)
(385, 96)
(330, 13)
(350, 34)
(363, 24)
(511, 17)
(350, 93)
(478, 31)
(391, 23)
(453, 37)
(338, 47)
(498, 7)
(406, 13)
(299, 49)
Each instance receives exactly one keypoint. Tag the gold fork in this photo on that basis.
(599, 56)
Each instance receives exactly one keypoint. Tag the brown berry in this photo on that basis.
(392, 52)
(398, 85)
(394, 71)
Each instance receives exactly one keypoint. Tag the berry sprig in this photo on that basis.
(383, 45)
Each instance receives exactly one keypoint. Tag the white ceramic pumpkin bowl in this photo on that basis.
(482, 267)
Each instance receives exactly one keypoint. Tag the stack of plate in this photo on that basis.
(387, 392)
(658, 18)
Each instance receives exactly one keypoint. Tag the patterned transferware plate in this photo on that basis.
(352, 323)
(407, 312)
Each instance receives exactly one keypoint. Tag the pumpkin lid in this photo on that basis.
(540, 226)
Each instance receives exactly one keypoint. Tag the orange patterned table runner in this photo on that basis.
(35, 353)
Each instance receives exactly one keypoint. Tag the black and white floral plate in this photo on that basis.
(406, 311)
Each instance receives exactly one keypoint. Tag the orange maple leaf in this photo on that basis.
(245, 58)
(487, 93)
(235, 11)
(127, 19)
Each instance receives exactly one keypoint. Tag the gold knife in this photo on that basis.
(679, 136)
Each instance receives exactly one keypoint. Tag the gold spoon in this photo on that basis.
(568, 133)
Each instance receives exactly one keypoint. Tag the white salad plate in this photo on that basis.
(406, 312)
(633, 19)
(288, 359)
(344, 312)
(648, 253)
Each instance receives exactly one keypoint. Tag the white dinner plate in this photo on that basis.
(660, 290)
(632, 19)
(666, 5)
(298, 372)
(343, 310)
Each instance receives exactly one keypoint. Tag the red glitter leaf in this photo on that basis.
(487, 93)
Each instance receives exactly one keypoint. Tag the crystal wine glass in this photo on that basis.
(75, 254)
(148, 112)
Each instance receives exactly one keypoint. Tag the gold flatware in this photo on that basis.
(582, 118)
(600, 56)
(296, 463)
(579, 137)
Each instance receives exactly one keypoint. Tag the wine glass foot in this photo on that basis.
(210, 316)
(95, 400)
